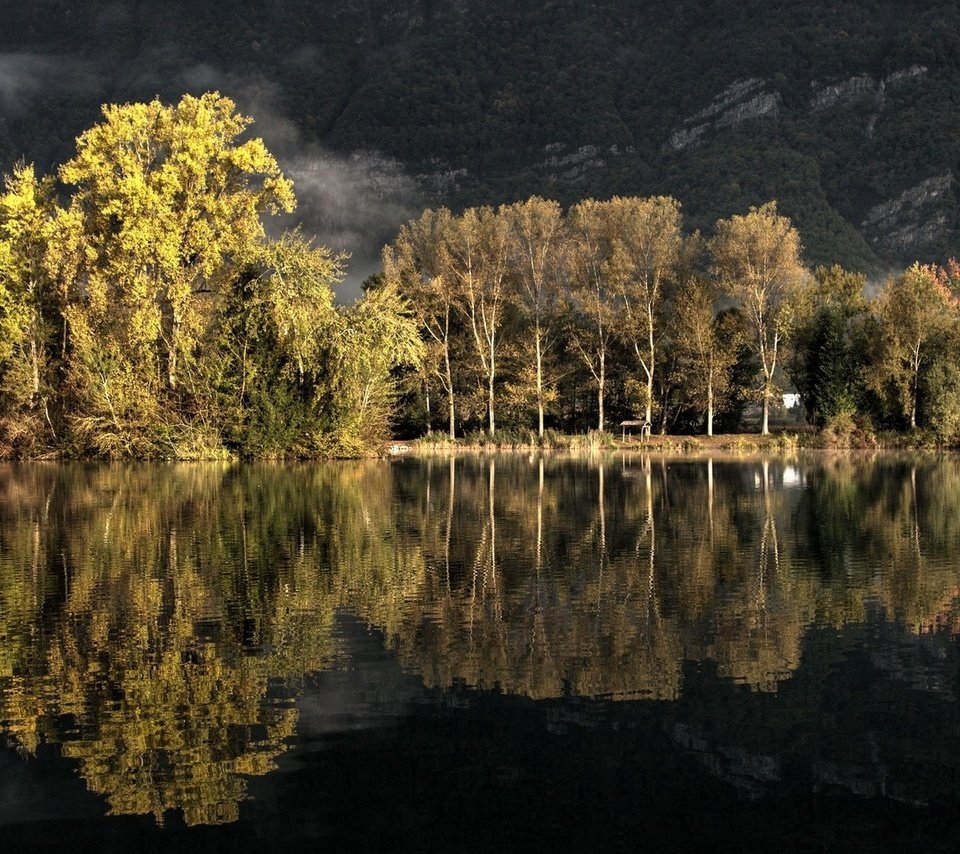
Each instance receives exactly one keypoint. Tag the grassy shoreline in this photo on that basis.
(525, 441)
(778, 441)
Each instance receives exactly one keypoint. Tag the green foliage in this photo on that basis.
(827, 365)
(916, 324)
(941, 389)
(29, 310)
(377, 336)
(151, 315)
(157, 316)
(166, 200)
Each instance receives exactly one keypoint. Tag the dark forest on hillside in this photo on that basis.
(844, 112)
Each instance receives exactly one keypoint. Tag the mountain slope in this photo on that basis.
(845, 112)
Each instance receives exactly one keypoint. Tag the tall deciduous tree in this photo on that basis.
(477, 247)
(537, 251)
(707, 345)
(645, 249)
(29, 307)
(594, 301)
(914, 313)
(756, 257)
(418, 265)
(164, 198)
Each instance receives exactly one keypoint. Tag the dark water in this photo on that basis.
(482, 654)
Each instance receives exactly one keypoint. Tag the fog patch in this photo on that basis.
(352, 203)
(201, 78)
(876, 283)
(355, 203)
(24, 76)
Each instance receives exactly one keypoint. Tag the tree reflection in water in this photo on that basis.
(158, 622)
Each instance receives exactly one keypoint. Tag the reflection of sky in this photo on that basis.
(42, 789)
(369, 691)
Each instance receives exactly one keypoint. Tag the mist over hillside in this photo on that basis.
(845, 112)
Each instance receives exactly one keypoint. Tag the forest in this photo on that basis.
(147, 312)
(537, 318)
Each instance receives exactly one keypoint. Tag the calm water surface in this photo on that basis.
(482, 653)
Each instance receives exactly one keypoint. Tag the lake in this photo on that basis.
(482, 653)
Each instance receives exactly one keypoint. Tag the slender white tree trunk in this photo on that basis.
(450, 400)
(710, 407)
(539, 383)
(493, 424)
(601, 382)
(426, 393)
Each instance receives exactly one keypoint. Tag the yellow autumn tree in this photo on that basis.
(165, 197)
(756, 257)
(28, 306)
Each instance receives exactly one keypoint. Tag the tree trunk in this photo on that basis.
(652, 356)
(426, 392)
(539, 383)
(913, 396)
(765, 429)
(172, 351)
(35, 369)
(710, 408)
(172, 367)
(450, 401)
(601, 382)
(493, 425)
(491, 375)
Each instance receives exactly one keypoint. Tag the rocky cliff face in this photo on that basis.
(742, 101)
(906, 218)
(920, 217)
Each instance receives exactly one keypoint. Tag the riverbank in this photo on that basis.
(782, 440)
(593, 441)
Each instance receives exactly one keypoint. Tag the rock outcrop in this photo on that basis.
(742, 101)
(911, 222)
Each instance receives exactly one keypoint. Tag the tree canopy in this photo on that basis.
(154, 301)
(147, 311)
